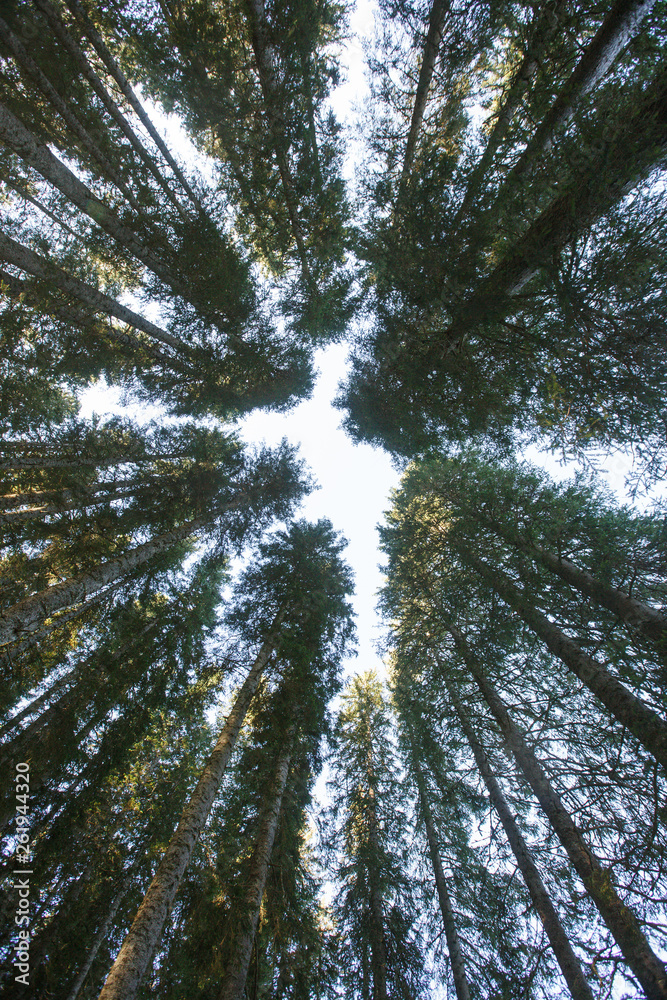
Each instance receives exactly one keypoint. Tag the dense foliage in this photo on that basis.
(173, 636)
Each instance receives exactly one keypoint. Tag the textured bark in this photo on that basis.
(28, 614)
(378, 950)
(446, 909)
(436, 22)
(79, 57)
(619, 918)
(236, 973)
(97, 942)
(31, 69)
(138, 947)
(612, 37)
(645, 724)
(545, 28)
(117, 74)
(645, 619)
(33, 263)
(558, 939)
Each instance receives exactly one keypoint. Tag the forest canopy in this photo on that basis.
(201, 797)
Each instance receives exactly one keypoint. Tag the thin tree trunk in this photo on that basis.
(138, 947)
(79, 57)
(28, 614)
(649, 622)
(436, 23)
(446, 909)
(33, 263)
(558, 939)
(378, 950)
(645, 724)
(97, 941)
(117, 74)
(619, 918)
(31, 69)
(612, 37)
(236, 973)
(545, 27)
(18, 138)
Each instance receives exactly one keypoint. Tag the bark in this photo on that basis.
(632, 147)
(446, 909)
(138, 947)
(97, 941)
(378, 950)
(545, 27)
(236, 973)
(620, 920)
(61, 32)
(33, 263)
(28, 614)
(267, 77)
(645, 724)
(436, 23)
(612, 37)
(642, 617)
(15, 135)
(558, 939)
(31, 69)
(117, 74)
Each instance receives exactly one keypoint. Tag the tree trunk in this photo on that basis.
(620, 920)
(545, 27)
(645, 724)
(645, 619)
(378, 950)
(31, 69)
(436, 22)
(61, 32)
(14, 253)
(138, 947)
(28, 614)
(117, 74)
(612, 37)
(558, 939)
(97, 941)
(446, 909)
(236, 973)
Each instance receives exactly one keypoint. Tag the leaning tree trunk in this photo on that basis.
(236, 973)
(612, 37)
(97, 941)
(446, 909)
(137, 950)
(642, 617)
(31, 612)
(436, 22)
(619, 918)
(645, 724)
(558, 939)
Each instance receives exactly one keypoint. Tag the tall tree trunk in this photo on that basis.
(620, 920)
(436, 23)
(612, 37)
(645, 724)
(28, 614)
(138, 947)
(117, 74)
(98, 940)
(236, 973)
(545, 27)
(446, 909)
(649, 622)
(31, 69)
(558, 939)
(58, 27)
(378, 950)
(33, 263)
